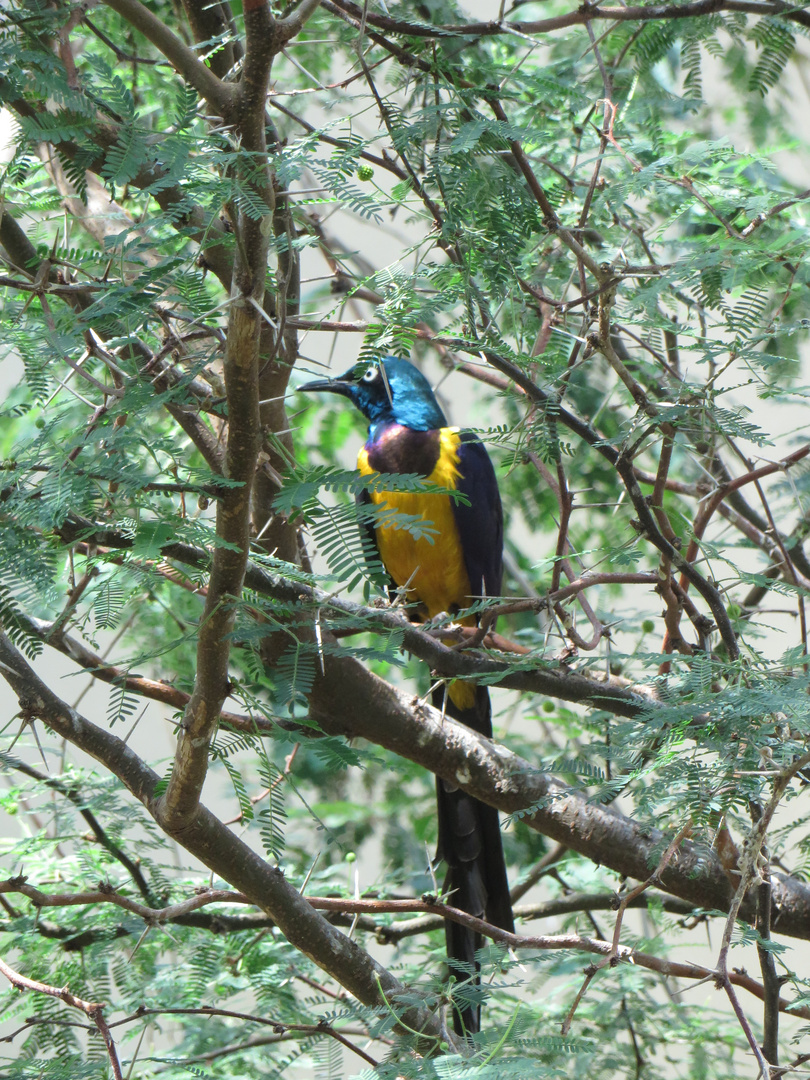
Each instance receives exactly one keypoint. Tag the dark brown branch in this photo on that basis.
(760, 219)
(615, 694)
(770, 978)
(381, 162)
(546, 909)
(748, 872)
(154, 689)
(646, 524)
(185, 61)
(579, 17)
(722, 492)
(552, 221)
(91, 1009)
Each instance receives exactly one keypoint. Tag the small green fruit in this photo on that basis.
(648, 626)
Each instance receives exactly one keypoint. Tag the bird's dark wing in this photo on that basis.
(469, 831)
(480, 524)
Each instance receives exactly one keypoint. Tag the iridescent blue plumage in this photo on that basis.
(392, 391)
(408, 433)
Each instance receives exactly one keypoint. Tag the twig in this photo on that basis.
(154, 689)
(713, 501)
(548, 860)
(279, 1026)
(653, 879)
(748, 870)
(254, 799)
(93, 1010)
(70, 792)
(615, 954)
(575, 17)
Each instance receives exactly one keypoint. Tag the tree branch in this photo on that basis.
(580, 17)
(154, 689)
(185, 61)
(205, 837)
(241, 376)
(91, 1009)
(71, 793)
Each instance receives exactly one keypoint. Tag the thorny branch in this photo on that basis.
(611, 952)
(93, 1010)
(614, 955)
(581, 16)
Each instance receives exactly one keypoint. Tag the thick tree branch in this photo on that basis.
(222, 851)
(293, 23)
(611, 693)
(347, 699)
(210, 21)
(241, 376)
(185, 61)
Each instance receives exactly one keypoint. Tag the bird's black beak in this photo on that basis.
(341, 385)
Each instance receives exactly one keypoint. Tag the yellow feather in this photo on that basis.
(432, 566)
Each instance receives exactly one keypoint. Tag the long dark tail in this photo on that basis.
(470, 844)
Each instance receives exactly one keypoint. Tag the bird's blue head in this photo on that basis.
(391, 391)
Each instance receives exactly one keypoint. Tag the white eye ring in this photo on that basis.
(371, 374)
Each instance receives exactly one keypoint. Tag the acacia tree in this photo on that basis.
(200, 205)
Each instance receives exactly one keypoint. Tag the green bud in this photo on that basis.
(365, 172)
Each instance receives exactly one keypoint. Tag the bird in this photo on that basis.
(443, 567)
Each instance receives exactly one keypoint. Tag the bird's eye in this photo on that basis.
(371, 374)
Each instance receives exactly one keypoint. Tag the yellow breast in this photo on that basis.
(431, 566)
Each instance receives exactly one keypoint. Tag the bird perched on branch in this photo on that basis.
(443, 567)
